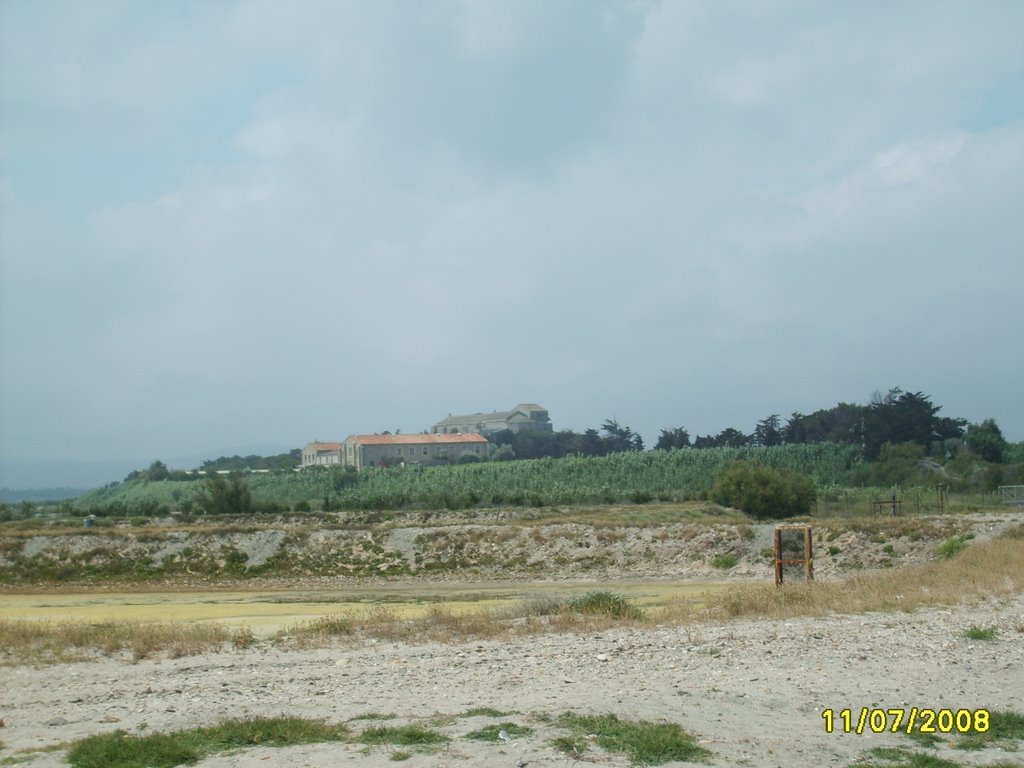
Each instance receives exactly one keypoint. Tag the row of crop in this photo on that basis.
(631, 476)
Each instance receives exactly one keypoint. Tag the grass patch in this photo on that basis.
(924, 739)
(897, 757)
(485, 712)
(493, 732)
(1005, 730)
(402, 735)
(373, 716)
(399, 754)
(645, 743)
(974, 632)
(725, 561)
(166, 750)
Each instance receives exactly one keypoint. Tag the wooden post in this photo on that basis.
(807, 561)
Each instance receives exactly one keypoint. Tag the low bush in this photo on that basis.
(763, 492)
(725, 561)
(605, 604)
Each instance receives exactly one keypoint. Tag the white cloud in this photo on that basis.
(895, 182)
(633, 203)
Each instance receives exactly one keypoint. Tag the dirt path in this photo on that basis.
(752, 691)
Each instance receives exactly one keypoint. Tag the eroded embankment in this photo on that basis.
(499, 547)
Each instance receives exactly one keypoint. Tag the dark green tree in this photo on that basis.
(731, 438)
(842, 423)
(669, 439)
(157, 471)
(987, 441)
(619, 438)
(224, 495)
(591, 443)
(897, 464)
(768, 431)
(898, 417)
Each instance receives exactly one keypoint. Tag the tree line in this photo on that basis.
(896, 417)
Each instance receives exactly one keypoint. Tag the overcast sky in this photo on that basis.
(229, 224)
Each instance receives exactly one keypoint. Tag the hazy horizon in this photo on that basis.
(244, 223)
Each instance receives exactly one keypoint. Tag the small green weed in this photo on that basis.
(402, 735)
(646, 743)
(398, 755)
(573, 746)
(485, 712)
(374, 716)
(725, 561)
(924, 739)
(491, 732)
(951, 547)
(974, 632)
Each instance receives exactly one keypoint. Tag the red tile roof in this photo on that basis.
(470, 438)
(324, 446)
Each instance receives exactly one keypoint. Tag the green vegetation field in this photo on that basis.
(621, 477)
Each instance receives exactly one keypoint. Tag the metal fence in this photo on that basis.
(1012, 494)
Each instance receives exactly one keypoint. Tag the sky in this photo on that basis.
(231, 225)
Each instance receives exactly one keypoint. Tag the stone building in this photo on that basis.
(317, 454)
(525, 416)
(361, 451)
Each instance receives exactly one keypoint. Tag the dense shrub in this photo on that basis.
(220, 496)
(763, 492)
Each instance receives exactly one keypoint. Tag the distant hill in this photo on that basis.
(14, 495)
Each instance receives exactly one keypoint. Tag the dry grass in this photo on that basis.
(592, 612)
(980, 570)
(44, 642)
(993, 568)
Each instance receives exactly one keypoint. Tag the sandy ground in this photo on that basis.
(752, 692)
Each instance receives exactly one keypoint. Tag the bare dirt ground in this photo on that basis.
(752, 692)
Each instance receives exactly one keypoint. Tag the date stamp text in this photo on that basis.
(923, 720)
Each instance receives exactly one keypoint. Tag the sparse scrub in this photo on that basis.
(243, 637)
